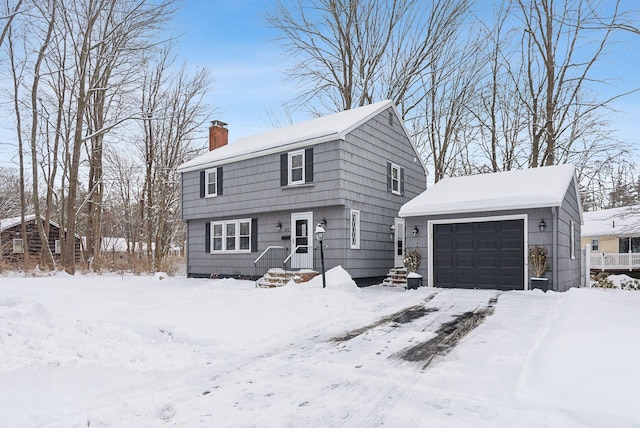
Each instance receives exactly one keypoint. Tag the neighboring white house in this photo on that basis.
(614, 238)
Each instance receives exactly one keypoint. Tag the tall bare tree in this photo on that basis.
(104, 34)
(174, 109)
(560, 50)
(349, 53)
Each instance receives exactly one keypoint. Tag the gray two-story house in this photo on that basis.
(257, 201)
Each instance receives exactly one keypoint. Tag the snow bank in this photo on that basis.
(336, 278)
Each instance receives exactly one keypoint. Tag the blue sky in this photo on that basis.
(232, 38)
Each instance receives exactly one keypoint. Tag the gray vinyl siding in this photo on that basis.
(348, 174)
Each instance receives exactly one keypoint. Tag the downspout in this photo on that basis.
(556, 222)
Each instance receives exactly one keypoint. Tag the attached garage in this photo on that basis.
(476, 231)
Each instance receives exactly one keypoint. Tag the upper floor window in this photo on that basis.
(395, 179)
(211, 182)
(595, 245)
(18, 245)
(296, 167)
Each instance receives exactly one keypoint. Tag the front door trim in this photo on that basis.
(302, 260)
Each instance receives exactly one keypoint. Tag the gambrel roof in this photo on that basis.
(326, 128)
(520, 189)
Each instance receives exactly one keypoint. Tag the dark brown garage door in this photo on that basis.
(486, 254)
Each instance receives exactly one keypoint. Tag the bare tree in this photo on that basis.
(349, 53)
(174, 110)
(558, 59)
(104, 34)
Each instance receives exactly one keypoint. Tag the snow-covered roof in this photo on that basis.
(521, 189)
(326, 128)
(8, 223)
(623, 221)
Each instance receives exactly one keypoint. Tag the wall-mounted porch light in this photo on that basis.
(542, 226)
(320, 237)
(392, 232)
(278, 227)
(415, 231)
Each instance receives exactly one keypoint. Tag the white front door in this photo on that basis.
(302, 240)
(398, 242)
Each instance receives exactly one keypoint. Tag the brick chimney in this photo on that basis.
(218, 135)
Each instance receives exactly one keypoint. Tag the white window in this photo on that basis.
(395, 179)
(211, 182)
(595, 245)
(232, 236)
(56, 246)
(355, 229)
(216, 237)
(572, 237)
(18, 245)
(296, 167)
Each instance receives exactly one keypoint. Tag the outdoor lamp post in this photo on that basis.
(320, 238)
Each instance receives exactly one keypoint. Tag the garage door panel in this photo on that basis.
(479, 254)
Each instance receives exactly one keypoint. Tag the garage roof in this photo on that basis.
(521, 189)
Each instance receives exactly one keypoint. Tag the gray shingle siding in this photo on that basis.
(347, 174)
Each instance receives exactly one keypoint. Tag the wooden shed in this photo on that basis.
(13, 246)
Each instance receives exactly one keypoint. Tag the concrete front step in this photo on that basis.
(279, 277)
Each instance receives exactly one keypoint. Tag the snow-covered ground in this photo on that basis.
(111, 351)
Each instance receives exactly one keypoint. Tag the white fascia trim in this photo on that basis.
(430, 224)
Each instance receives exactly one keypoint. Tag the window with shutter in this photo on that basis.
(296, 167)
(233, 236)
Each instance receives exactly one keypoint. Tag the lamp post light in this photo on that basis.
(320, 237)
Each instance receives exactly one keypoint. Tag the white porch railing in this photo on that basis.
(615, 261)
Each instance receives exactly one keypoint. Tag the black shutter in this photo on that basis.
(219, 181)
(284, 169)
(254, 235)
(389, 177)
(202, 184)
(207, 237)
(308, 165)
(402, 181)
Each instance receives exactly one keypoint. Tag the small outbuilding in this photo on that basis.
(476, 231)
(13, 247)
